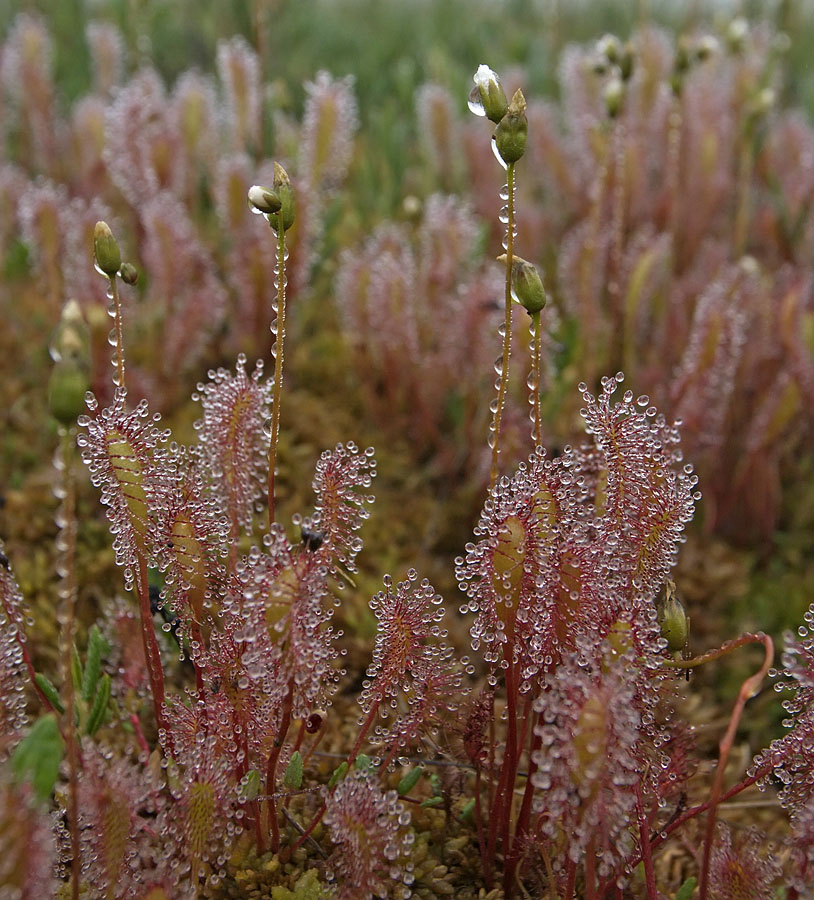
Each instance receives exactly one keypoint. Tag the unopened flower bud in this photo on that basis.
(674, 624)
(599, 65)
(282, 188)
(129, 273)
(488, 98)
(614, 96)
(71, 338)
(106, 250)
(527, 286)
(67, 387)
(683, 58)
(707, 47)
(512, 130)
(263, 200)
(736, 34)
(763, 101)
(610, 47)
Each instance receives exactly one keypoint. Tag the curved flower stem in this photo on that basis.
(717, 796)
(748, 689)
(647, 856)
(278, 363)
(494, 437)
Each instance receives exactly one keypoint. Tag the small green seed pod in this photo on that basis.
(128, 273)
(67, 387)
(674, 624)
(512, 131)
(106, 250)
(527, 286)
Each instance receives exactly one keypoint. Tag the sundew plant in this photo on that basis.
(213, 734)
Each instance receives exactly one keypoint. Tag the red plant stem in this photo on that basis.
(748, 689)
(371, 716)
(665, 832)
(486, 860)
(300, 736)
(314, 744)
(511, 757)
(590, 870)
(570, 879)
(151, 652)
(647, 857)
(271, 770)
(736, 789)
(140, 739)
(524, 816)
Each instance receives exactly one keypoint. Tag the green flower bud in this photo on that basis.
(681, 64)
(736, 34)
(282, 188)
(71, 338)
(614, 96)
(263, 200)
(67, 387)
(129, 273)
(674, 624)
(70, 377)
(763, 101)
(488, 98)
(707, 47)
(527, 286)
(610, 47)
(106, 250)
(512, 131)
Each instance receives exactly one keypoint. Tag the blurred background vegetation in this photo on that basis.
(391, 46)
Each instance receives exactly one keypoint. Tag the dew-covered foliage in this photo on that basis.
(243, 709)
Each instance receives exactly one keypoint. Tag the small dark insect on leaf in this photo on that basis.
(312, 539)
(215, 686)
(4, 560)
